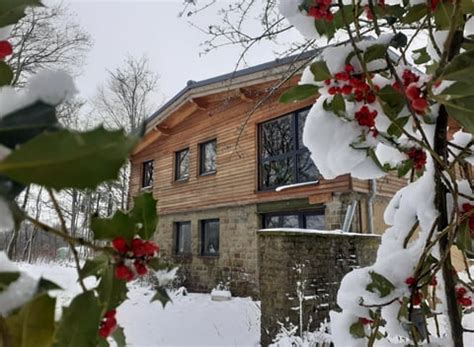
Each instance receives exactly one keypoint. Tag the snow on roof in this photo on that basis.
(313, 231)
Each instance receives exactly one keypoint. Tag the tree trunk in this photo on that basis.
(11, 248)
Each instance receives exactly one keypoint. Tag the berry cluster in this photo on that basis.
(365, 117)
(418, 157)
(461, 297)
(468, 208)
(139, 251)
(5, 49)
(414, 93)
(108, 324)
(417, 296)
(320, 10)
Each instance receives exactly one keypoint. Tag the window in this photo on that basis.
(208, 152)
(183, 238)
(302, 220)
(182, 165)
(210, 237)
(283, 157)
(147, 174)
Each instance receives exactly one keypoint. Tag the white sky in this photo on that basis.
(153, 27)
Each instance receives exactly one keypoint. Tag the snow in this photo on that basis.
(303, 23)
(439, 38)
(192, 319)
(220, 295)
(51, 87)
(462, 139)
(6, 219)
(296, 185)
(18, 292)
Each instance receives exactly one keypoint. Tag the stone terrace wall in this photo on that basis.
(324, 259)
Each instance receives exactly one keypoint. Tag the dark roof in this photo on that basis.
(247, 71)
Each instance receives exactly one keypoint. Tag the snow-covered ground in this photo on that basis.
(189, 320)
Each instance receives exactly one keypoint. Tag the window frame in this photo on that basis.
(298, 150)
(176, 165)
(202, 251)
(302, 223)
(144, 171)
(177, 238)
(202, 153)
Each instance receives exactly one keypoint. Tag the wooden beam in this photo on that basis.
(246, 95)
(199, 104)
(166, 131)
(320, 198)
(146, 141)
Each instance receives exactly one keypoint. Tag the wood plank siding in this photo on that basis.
(236, 179)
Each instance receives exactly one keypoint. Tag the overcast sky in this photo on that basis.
(152, 27)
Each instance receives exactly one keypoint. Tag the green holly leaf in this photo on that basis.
(144, 215)
(375, 52)
(158, 264)
(338, 105)
(395, 129)
(162, 296)
(421, 56)
(320, 71)
(7, 278)
(463, 237)
(95, 267)
(119, 337)
(6, 74)
(11, 11)
(79, 324)
(415, 13)
(404, 167)
(379, 285)
(69, 159)
(45, 285)
(109, 228)
(25, 124)
(357, 330)
(392, 101)
(460, 68)
(299, 93)
(443, 15)
(325, 28)
(33, 324)
(112, 291)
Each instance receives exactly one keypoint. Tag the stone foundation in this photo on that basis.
(317, 260)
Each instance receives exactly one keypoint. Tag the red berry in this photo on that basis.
(342, 76)
(327, 82)
(150, 248)
(110, 314)
(460, 292)
(411, 281)
(349, 68)
(434, 281)
(110, 323)
(466, 302)
(329, 16)
(332, 90)
(5, 49)
(467, 207)
(140, 268)
(419, 105)
(346, 89)
(365, 321)
(104, 332)
(418, 156)
(138, 248)
(413, 92)
(122, 272)
(370, 98)
(365, 117)
(120, 244)
(416, 298)
(368, 13)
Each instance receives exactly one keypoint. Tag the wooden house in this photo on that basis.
(214, 155)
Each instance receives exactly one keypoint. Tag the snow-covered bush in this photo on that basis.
(384, 106)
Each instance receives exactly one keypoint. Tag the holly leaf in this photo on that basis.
(379, 285)
(162, 296)
(6, 74)
(95, 267)
(119, 337)
(45, 285)
(112, 291)
(460, 68)
(443, 15)
(298, 93)
(392, 101)
(33, 324)
(109, 228)
(25, 124)
(396, 128)
(338, 105)
(7, 278)
(375, 52)
(463, 238)
(144, 215)
(11, 11)
(69, 159)
(404, 167)
(79, 325)
(357, 330)
(415, 13)
(320, 71)
(421, 56)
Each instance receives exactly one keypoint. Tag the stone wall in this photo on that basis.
(237, 259)
(323, 260)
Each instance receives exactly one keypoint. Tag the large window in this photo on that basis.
(210, 237)
(183, 238)
(283, 157)
(147, 174)
(208, 153)
(182, 165)
(302, 220)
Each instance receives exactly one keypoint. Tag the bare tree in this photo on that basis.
(47, 37)
(126, 99)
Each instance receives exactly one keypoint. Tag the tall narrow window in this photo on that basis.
(183, 238)
(283, 157)
(210, 237)
(182, 165)
(208, 152)
(147, 174)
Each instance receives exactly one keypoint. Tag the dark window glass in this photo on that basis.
(210, 237)
(208, 157)
(284, 159)
(147, 174)
(182, 164)
(302, 220)
(183, 238)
